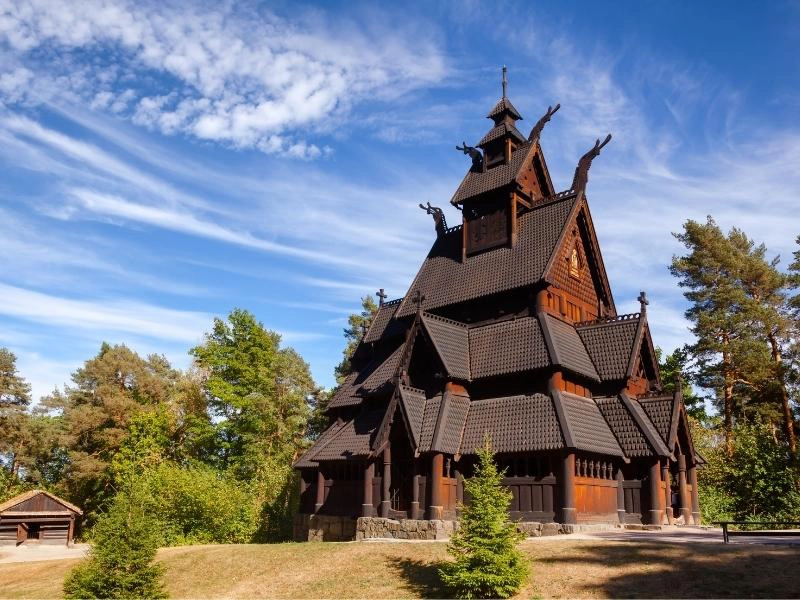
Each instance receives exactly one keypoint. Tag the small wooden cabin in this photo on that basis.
(37, 517)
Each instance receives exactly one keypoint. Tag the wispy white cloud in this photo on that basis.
(108, 316)
(229, 73)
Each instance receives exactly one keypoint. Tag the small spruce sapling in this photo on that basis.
(120, 563)
(487, 562)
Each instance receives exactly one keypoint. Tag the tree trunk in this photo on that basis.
(788, 418)
(727, 397)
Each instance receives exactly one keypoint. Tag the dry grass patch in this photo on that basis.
(561, 569)
(40, 579)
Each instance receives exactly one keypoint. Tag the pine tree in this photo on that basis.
(358, 323)
(731, 352)
(15, 396)
(487, 562)
(120, 563)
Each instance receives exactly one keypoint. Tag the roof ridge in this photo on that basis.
(392, 302)
(609, 320)
(443, 319)
(412, 388)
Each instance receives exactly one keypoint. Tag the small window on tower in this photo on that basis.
(575, 263)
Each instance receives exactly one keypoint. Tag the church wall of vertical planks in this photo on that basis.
(510, 330)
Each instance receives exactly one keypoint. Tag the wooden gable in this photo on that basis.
(576, 266)
(38, 501)
(533, 180)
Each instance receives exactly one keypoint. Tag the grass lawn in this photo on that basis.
(561, 569)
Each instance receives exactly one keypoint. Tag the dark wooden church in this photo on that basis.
(508, 329)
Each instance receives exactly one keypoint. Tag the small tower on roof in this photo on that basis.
(501, 141)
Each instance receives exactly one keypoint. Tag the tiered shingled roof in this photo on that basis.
(455, 424)
(370, 380)
(501, 130)
(611, 344)
(504, 106)
(445, 279)
(476, 183)
(514, 423)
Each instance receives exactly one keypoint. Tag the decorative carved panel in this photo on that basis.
(487, 229)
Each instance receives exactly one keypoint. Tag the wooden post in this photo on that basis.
(568, 511)
(320, 490)
(655, 493)
(367, 510)
(683, 491)
(620, 496)
(695, 496)
(667, 492)
(437, 468)
(386, 500)
(71, 530)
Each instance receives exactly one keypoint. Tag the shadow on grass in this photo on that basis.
(654, 570)
(421, 577)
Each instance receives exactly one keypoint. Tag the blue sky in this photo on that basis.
(162, 163)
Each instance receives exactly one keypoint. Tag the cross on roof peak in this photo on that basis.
(643, 300)
(381, 296)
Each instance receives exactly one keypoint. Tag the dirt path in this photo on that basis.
(37, 552)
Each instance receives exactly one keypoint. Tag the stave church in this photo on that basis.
(508, 331)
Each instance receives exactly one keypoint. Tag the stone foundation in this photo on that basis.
(323, 528)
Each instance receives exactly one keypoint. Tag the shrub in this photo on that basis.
(487, 562)
(120, 563)
(198, 505)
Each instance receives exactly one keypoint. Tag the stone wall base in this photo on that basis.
(319, 528)
(323, 528)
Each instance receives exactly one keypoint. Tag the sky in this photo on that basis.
(164, 162)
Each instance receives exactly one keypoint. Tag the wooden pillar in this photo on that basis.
(683, 491)
(416, 511)
(568, 511)
(620, 496)
(655, 493)
(320, 490)
(386, 500)
(459, 488)
(367, 510)
(667, 492)
(71, 530)
(695, 496)
(437, 468)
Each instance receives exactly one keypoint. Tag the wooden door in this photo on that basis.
(22, 533)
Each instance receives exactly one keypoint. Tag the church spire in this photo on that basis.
(505, 81)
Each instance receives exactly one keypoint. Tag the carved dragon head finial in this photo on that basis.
(537, 129)
(438, 218)
(582, 170)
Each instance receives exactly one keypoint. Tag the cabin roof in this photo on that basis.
(16, 500)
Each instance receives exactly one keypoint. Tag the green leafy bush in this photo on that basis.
(758, 482)
(487, 562)
(197, 504)
(120, 563)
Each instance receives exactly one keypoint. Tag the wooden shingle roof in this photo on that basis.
(352, 439)
(610, 344)
(369, 380)
(514, 423)
(445, 279)
(8, 505)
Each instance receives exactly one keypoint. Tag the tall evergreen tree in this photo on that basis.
(729, 353)
(357, 324)
(674, 367)
(97, 411)
(258, 393)
(15, 397)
